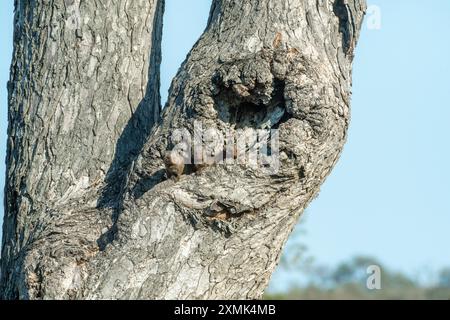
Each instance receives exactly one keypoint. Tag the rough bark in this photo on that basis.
(84, 82)
(90, 212)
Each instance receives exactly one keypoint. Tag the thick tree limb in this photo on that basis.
(83, 96)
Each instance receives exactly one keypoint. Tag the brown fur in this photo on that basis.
(174, 163)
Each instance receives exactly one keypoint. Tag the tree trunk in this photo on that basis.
(90, 210)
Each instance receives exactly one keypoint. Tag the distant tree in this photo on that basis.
(348, 281)
(444, 278)
(353, 270)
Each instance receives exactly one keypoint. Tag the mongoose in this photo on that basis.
(174, 163)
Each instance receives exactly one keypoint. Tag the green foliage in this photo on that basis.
(348, 281)
(444, 278)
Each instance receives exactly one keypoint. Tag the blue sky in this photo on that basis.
(388, 196)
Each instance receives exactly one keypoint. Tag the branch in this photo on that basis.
(218, 232)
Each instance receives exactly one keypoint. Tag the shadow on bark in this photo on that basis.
(133, 137)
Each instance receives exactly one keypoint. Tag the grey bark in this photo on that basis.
(89, 211)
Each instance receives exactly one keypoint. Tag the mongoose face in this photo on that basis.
(174, 163)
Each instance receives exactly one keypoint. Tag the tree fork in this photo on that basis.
(110, 225)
